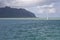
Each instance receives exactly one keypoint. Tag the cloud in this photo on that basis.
(24, 3)
(46, 8)
(43, 10)
(20, 3)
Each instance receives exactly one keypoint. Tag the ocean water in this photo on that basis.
(29, 30)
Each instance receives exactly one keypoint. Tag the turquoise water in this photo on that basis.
(29, 30)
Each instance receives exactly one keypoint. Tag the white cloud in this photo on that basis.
(52, 10)
(43, 10)
(46, 8)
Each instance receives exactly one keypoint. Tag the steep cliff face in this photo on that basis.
(8, 12)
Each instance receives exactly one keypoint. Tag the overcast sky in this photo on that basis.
(39, 7)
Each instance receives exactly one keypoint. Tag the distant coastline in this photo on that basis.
(50, 18)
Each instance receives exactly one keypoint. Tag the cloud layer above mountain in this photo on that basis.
(20, 3)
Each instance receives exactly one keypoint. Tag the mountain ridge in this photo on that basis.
(8, 12)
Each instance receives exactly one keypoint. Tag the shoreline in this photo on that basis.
(29, 19)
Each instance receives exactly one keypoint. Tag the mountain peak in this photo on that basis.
(8, 12)
(7, 7)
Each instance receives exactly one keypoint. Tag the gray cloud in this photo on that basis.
(25, 3)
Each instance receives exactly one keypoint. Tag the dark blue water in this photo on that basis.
(29, 30)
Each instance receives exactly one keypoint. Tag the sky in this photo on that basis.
(41, 8)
